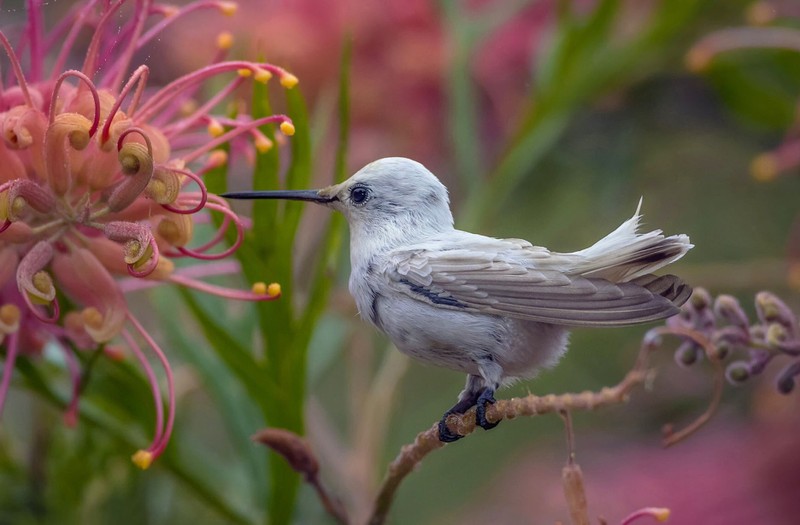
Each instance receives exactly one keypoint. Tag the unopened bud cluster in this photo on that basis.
(748, 346)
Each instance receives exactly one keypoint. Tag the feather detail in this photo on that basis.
(623, 255)
(607, 284)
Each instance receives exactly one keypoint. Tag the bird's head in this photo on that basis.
(393, 190)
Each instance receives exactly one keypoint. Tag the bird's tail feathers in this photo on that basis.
(624, 255)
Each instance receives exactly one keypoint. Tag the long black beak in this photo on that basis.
(293, 195)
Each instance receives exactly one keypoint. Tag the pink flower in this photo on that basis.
(102, 177)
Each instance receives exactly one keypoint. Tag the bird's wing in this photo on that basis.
(497, 277)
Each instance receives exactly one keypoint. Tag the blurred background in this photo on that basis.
(547, 120)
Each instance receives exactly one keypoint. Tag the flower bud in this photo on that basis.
(137, 240)
(728, 308)
(176, 229)
(137, 163)
(772, 310)
(165, 185)
(687, 354)
(23, 127)
(24, 193)
(66, 128)
(786, 379)
(32, 280)
(701, 299)
(87, 282)
(737, 372)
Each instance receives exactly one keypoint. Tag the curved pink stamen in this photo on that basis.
(74, 23)
(203, 195)
(180, 85)
(160, 444)
(203, 110)
(197, 271)
(95, 95)
(658, 514)
(153, 262)
(230, 135)
(141, 132)
(123, 59)
(138, 78)
(221, 291)
(198, 253)
(218, 237)
(17, 67)
(151, 379)
(90, 62)
(167, 21)
(34, 32)
(8, 367)
(37, 311)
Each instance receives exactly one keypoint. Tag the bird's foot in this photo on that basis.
(486, 398)
(445, 434)
(465, 403)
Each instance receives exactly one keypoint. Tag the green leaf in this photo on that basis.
(238, 359)
(90, 413)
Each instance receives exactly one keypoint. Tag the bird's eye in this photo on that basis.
(359, 194)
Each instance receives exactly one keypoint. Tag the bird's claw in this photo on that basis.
(445, 434)
(486, 398)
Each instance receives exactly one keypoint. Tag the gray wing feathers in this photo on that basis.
(489, 282)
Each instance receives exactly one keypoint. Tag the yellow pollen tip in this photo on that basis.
(188, 107)
(274, 289)
(764, 167)
(225, 40)
(169, 11)
(661, 514)
(18, 205)
(79, 139)
(42, 281)
(288, 80)
(142, 459)
(218, 158)
(263, 144)
(92, 318)
(215, 129)
(259, 288)
(287, 128)
(244, 72)
(228, 8)
(262, 75)
(130, 164)
(9, 316)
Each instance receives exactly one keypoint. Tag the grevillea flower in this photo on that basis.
(101, 177)
(720, 329)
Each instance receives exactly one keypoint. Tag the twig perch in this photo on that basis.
(428, 441)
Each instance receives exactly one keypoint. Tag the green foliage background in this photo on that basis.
(608, 120)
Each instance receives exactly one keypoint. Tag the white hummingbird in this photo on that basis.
(496, 309)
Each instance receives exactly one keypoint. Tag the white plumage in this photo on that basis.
(496, 309)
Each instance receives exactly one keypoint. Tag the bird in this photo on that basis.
(498, 310)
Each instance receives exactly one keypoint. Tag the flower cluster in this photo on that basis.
(101, 178)
(721, 329)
